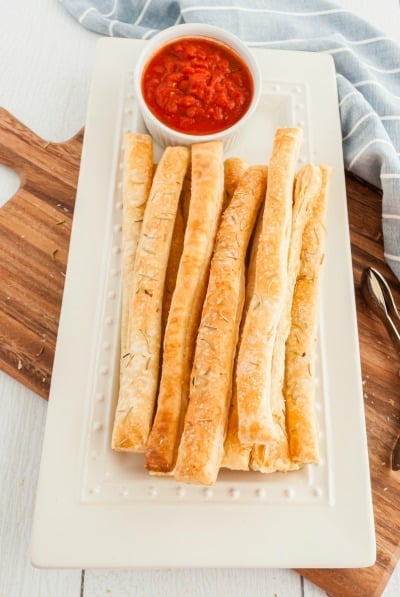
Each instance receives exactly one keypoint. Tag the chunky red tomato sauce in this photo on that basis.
(197, 86)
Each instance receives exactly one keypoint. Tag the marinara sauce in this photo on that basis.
(197, 86)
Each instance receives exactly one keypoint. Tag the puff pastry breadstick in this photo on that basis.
(201, 448)
(187, 300)
(253, 375)
(186, 194)
(275, 455)
(140, 364)
(299, 385)
(137, 177)
(237, 454)
(234, 168)
(173, 262)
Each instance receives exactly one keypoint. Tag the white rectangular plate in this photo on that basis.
(97, 508)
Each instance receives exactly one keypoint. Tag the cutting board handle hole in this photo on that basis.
(9, 183)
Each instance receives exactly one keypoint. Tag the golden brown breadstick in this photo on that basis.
(237, 454)
(140, 364)
(186, 194)
(186, 305)
(253, 375)
(137, 177)
(299, 385)
(275, 455)
(201, 447)
(173, 263)
(234, 168)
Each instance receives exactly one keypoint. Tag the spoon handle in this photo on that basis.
(379, 297)
(396, 456)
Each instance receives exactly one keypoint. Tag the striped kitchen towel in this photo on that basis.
(367, 65)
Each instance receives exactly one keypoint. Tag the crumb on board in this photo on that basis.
(40, 352)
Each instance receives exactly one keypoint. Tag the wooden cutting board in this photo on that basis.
(35, 228)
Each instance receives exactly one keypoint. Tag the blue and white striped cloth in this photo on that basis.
(367, 64)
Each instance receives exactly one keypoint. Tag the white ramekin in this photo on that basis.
(162, 134)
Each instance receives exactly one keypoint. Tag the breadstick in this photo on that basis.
(140, 364)
(177, 243)
(201, 448)
(186, 194)
(137, 177)
(234, 168)
(299, 385)
(187, 301)
(237, 454)
(173, 262)
(253, 375)
(275, 455)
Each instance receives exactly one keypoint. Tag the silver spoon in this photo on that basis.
(378, 296)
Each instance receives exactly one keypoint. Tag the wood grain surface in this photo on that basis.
(35, 227)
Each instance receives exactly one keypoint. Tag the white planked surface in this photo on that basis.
(194, 583)
(23, 416)
(45, 65)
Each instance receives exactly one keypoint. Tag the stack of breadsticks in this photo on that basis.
(221, 273)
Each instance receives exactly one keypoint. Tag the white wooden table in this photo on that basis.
(45, 66)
